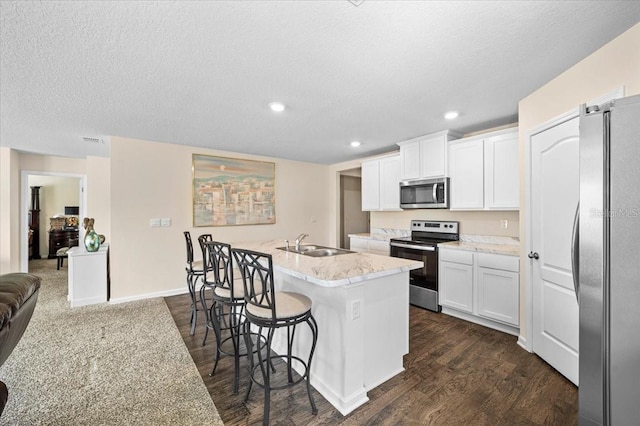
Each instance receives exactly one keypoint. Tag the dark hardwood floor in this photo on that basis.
(457, 373)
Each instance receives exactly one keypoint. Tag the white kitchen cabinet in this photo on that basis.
(456, 286)
(381, 184)
(426, 156)
(498, 287)
(368, 245)
(480, 287)
(484, 172)
(467, 174)
(370, 185)
(501, 172)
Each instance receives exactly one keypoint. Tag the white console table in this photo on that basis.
(87, 276)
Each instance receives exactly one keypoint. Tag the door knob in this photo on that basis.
(534, 255)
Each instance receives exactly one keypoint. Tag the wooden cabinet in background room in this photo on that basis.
(381, 184)
(59, 238)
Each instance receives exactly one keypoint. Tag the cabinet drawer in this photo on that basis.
(499, 261)
(359, 243)
(379, 247)
(456, 256)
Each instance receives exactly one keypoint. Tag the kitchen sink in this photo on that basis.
(315, 251)
(323, 252)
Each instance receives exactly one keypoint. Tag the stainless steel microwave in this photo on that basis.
(424, 194)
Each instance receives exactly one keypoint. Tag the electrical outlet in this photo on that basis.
(314, 219)
(355, 309)
(504, 223)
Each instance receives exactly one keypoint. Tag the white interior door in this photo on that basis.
(555, 185)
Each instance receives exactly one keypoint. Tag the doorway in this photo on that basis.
(352, 219)
(60, 195)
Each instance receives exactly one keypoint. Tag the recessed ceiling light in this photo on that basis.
(276, 106)
(451, 115)
(355, 144)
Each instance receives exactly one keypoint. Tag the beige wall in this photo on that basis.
(615, 64)
(9, 211)
(476, 222)
(153, 180)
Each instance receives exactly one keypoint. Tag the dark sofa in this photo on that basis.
(18, 296)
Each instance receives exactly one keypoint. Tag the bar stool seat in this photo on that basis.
(289, 305)
(61, 253)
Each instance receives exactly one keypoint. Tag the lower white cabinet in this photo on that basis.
(480, 287)
(456, 280)
(368, 245)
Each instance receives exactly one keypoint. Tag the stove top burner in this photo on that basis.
(430, 233)
(421, 240)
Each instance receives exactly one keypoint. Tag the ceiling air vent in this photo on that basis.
(92, 140)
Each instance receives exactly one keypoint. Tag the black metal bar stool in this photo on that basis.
(267, 309)
(195, 269)
(229, 296)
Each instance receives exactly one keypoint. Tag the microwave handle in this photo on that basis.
(435, 192)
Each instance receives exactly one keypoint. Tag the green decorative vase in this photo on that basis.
(92, 241)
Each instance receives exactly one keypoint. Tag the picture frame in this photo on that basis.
(232, 191)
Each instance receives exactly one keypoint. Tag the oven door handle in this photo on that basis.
(411, 246)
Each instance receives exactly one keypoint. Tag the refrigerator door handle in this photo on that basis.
(575, 253)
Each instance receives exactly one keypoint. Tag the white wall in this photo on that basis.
(615, 64)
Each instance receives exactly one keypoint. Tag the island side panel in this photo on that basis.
(386, 313)
(353, 355)
(338, 367)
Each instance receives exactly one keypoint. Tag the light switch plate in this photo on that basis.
(165, 221)
(155, 223)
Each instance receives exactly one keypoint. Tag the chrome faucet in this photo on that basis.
(286, 243)
(299, 240)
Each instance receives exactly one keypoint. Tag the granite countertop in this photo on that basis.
(331, 271)
(497, 245)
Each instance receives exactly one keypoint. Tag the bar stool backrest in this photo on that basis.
(206, 265)
(221, 262)
(257, 277)
(187, 237)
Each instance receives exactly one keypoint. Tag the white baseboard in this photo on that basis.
(509, 329)
(523, 344)
(165, 293)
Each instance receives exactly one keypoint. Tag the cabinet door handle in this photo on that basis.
(533, 255)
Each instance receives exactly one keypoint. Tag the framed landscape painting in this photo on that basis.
(231, 191)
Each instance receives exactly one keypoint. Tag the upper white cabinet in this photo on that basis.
(381, 183)
(501, 172)
(426, 156)
(484, 172)
(466, 168)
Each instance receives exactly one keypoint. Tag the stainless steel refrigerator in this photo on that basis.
(607, 263)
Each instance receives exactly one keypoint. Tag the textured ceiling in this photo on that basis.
(202, 73)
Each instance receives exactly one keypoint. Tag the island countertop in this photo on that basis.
(330, 271)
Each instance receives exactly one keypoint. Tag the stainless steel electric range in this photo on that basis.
(422, 245)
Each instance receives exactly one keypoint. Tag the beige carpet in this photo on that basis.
(104, 364)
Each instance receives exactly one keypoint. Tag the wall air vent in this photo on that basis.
(92, 140)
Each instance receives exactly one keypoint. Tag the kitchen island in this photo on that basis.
(361, 305)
